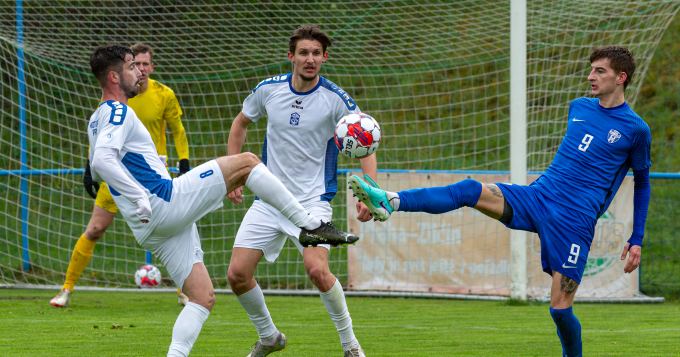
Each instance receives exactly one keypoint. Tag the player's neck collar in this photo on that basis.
(290, 85)
(618, 107)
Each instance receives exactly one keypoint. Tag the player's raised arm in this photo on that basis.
(237, 136)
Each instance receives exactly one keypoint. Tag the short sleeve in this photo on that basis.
(115, 129)
(253, 106)
(641, 151)
(343, 104)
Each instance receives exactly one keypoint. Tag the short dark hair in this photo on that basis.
(105, 59)
(620, 59)
(139, 47)
(309, 32)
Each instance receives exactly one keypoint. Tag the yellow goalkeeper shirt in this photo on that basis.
(156, 106)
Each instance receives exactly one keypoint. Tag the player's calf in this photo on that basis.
(562, 295)
(569, 331)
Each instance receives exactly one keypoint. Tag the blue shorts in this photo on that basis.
(565, 234)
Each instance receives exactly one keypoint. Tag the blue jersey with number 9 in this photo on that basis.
(600, 145)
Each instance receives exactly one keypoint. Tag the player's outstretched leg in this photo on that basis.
(82, 253)
(246, 169)
(431, 200)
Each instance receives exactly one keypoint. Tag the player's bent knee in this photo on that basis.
(95, 232)
(205, 299)
(320, 276)
(251, 158)
(237, 278)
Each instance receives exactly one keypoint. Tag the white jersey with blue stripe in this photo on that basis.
(298, 146)
(115, 125)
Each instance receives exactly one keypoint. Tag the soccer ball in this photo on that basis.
(357, 135)
(147, 277)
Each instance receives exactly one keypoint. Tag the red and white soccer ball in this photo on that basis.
(357, 135)
(147, 277)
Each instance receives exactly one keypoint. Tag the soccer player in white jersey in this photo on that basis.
(302, 110)
(162, 212)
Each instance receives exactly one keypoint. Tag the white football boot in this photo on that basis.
(182, 299)
(62, 299)
(355, 352)
(260, 350)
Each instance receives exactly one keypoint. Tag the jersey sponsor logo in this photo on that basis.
(297, 105)
(295, 119)
(613, 136)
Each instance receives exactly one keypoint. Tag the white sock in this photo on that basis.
(253, 303)
(269, 189)
(186, 330)
(334, 300)
(393, 198)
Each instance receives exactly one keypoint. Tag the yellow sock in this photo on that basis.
(79, 260)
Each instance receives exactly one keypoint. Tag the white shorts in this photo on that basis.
(175, 239)
(178, 253)
(265, 228)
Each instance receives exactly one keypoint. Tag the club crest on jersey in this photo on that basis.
(294, 119)
(613, 136)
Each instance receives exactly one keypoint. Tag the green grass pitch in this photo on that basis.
(140, 324)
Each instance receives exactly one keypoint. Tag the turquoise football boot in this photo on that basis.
(372, 196)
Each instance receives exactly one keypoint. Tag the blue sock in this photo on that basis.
(569, 331)
(441, 199)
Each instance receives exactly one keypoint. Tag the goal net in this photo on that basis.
(434, 74)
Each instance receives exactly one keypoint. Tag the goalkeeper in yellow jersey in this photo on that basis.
(155, 105)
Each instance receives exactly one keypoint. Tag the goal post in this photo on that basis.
(518, 137)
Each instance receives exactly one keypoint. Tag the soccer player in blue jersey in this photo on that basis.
(604, 139)
(302, 109)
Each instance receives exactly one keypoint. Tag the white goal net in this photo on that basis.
(434, 74)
